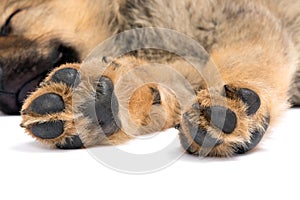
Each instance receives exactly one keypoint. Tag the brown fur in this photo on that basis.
(253, 44)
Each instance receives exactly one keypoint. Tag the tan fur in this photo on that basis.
(252, 44)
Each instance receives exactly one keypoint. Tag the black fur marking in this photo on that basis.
(196, 106)
(105, 109)
(48, 130)
(105, 60)
(71, 143)
(69, 76)
(156, 94)
(130, 9)
(47, 104)
(256, 137)
(201, 136)
(221, 118)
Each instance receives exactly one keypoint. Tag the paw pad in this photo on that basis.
(47, 104)
(73, 142)
(222, 118)
(69, 76)
(249, 97)
(256, 137)
(186, 145)
(217, 130)
(200, 135)
(104, 110)
(48, 130)
(202, 138)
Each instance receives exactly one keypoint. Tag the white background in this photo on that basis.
(28, 170)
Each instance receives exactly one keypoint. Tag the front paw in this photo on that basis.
(69, 113)
(224, 124)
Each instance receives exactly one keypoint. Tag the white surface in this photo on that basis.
(28, 170)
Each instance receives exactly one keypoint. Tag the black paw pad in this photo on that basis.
(104, 110)
(249, 97)
(47, 104)
(48, 130)
(221, 118)
(201, 136)
(69, 76)
(256, 137)
(107, 106)
(73, 142)
(185, 144)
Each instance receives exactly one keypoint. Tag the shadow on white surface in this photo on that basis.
(33, 147)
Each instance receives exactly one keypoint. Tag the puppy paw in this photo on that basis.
(65, 113)
(224, 123)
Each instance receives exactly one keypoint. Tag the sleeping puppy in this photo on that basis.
(249, 74)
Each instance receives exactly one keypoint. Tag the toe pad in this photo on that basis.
(69, 76)
(222, 118)
(256, 137)
(48, 130)
(71, 143)
(47, 104)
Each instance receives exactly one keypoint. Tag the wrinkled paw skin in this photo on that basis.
(53, 115)
(224, 124)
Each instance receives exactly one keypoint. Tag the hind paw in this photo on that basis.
(224, 124)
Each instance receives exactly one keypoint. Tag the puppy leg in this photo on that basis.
(80, 106)
(232, 117)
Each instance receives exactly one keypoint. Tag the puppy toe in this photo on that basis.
(221, 118)
(48, 130)
(73, 142)
(47, 104)
(249, 97)
(68, 76)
